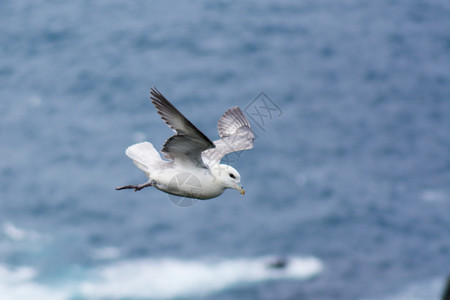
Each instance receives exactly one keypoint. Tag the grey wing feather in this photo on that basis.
(232, 122)
(236, 135)
(188, 143)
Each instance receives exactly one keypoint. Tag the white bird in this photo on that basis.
(192, 166)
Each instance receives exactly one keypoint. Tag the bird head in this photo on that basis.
(228, 177)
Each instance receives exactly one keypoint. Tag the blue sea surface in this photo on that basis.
(349, 179)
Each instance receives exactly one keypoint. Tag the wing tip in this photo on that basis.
(167, 111)
(232, 122)
(157, 97)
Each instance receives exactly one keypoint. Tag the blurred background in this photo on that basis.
(349, 180)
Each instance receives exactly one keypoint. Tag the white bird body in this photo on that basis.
(193, 169)
(166, 175)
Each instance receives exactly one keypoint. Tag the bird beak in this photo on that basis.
(240, 189)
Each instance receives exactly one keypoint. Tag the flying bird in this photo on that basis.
(190, 166)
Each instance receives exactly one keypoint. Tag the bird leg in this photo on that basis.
(136, 187)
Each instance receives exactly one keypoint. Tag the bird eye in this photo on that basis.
(232, 176)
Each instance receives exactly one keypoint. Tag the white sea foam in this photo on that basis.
(168, 278)
(18, 284)
(18, 234)
(154, 278)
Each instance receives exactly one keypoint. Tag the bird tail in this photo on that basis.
(144, 155)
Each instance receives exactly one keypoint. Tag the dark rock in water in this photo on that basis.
(446, 294)
(278, 263)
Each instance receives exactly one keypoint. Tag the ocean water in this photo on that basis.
(349, 180)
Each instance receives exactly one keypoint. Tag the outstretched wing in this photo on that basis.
(235, 135)
(187, 145)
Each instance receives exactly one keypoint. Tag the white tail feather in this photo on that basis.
(144, 155)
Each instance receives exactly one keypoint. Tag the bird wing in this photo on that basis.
(188, 143)
(235, 135)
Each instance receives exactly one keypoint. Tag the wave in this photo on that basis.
(157, 278)
(169, 278)
(18, 284)
(14, 233)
